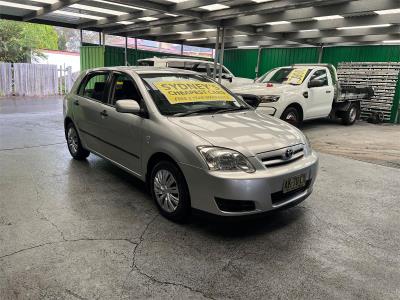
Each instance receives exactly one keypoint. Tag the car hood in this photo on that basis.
(261, 89)
(248, 132)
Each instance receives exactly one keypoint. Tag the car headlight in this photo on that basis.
(222, 159)
(269, 98)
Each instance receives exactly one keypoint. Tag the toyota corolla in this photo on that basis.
(195, 144)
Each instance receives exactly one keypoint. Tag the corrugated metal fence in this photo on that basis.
(23, 79)
(243, 62)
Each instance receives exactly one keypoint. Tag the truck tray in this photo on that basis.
(354, 93)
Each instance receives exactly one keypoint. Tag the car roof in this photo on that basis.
(176, 59)
(143, 70)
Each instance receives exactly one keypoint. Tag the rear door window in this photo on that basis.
(176, 64)
(95, 87)
(148, 63)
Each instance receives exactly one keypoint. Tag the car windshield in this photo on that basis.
(186, 94)
(293, 76)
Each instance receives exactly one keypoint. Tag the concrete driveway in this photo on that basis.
(88, 230)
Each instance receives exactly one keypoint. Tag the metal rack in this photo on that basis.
(382, 76)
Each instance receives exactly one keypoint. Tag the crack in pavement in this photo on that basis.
(73, 294)
(135, 249)
(65, 241)
(42, 214)
(141, 272)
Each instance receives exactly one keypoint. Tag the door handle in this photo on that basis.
(104, 113)
(76, 102)
(328, 92)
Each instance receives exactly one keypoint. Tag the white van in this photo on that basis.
(201, 66)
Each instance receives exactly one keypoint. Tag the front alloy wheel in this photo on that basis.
(166, 190)
(170, 192)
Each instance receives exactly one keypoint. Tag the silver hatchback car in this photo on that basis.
(195, 144)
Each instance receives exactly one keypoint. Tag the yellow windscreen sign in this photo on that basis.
(192, 91)
(296, 76)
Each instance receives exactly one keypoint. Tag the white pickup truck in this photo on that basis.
(304, 92)
(204, 67)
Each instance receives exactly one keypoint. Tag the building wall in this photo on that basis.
(55, 57)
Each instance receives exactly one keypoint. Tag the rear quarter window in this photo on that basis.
(146, 63)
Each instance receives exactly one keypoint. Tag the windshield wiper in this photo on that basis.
(198, 111)
(232, 109)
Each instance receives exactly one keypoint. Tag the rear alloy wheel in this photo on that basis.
(350, 116)
(292, 116)
(74, 143)
(169, 191)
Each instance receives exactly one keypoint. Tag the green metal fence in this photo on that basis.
(277, 57)
(242, 63)
(92, 57)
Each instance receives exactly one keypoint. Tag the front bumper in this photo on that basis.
(261, 187)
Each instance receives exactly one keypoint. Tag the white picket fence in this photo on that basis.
(23, 79)
(6, 79)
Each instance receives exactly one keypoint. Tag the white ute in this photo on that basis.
(304, 92)
(203, 67)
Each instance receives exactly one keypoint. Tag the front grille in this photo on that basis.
(235, 205)
(281, 156)
(279, 197)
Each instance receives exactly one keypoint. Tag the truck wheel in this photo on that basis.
(351, 115)
(292, 116)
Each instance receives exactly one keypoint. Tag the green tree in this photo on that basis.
(20, 41)
(62, 42)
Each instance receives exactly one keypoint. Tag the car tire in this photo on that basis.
(292, 116)
(169, 190)
(351, 115)
(74, 143)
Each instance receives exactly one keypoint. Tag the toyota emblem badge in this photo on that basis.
(289, 153)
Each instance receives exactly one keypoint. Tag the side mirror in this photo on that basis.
(227, 76)
(127, 106)
(315, 83)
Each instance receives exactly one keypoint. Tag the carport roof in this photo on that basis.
(247, 23)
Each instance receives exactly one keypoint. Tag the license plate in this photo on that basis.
(294, 183)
